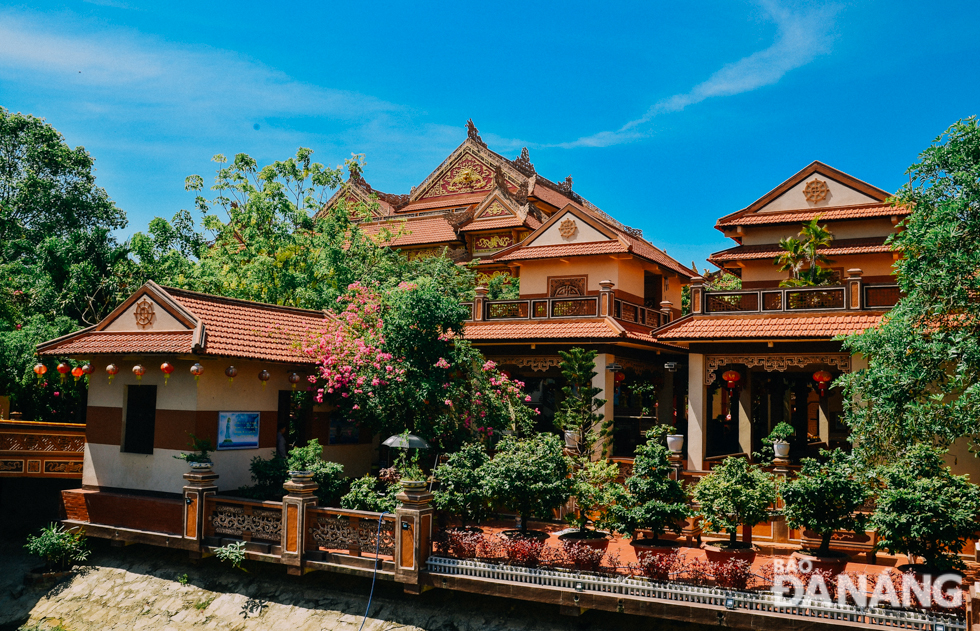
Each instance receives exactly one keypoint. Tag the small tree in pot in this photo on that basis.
(824, 496)
(779, 434)
(926, 511)
(529, 475)
(578, 414)
(734, 494)
(650, 499)
(462, 491)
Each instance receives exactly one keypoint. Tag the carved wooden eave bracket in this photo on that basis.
(773, 363)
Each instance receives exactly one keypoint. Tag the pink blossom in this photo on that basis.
(489, 365)
(442, 363)
(449, 403)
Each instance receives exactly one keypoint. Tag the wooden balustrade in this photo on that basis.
(351, 530)
(794, 299)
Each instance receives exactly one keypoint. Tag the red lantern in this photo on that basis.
(77, 372)
(39, 370)
(264, 377)
(823, 379)
(732, 377)
(64, 369)
(139, 371)
(88, 369)
(619, 377)
(294, 379)
(167, 368)
(197, 370)
(111, 370)
(230, 372)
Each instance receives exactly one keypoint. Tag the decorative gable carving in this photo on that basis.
(144, 313)
(493, 210)
(468, 175)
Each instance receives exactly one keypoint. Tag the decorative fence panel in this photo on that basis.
(243, 519)
(881, 297)
(755, 602)
(352, 530)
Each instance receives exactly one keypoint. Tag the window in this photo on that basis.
(141, 410)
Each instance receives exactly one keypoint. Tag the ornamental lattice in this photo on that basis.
(259, 524)
(334, 532)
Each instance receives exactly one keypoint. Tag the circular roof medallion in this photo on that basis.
(816, 191)
(567, 228)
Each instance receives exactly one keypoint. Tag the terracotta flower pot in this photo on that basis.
(652, 547)
(721, 553)
(593, 539)
(835, 563)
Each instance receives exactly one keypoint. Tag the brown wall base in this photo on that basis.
(155, 514)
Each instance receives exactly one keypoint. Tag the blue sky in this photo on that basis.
(667, 115)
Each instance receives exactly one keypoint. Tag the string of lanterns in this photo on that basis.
(166, 368)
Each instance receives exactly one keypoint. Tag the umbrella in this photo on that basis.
(407, 441)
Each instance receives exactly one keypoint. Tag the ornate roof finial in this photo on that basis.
(472, 133)
(523, 163)
(498, 178)
(566, 186)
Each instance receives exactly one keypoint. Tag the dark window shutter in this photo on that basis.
(141, 411)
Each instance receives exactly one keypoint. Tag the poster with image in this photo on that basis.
(238, 430)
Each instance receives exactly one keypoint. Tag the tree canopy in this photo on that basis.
(921, 384)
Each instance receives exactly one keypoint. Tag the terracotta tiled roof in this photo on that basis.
(543, 329)
(92, 342)
(550, 196)
(416, 231)
(253, 330)
(766, 326)
(771, 251)
(571, 249)
(829, 213)
(501, 222)
(448, 201)
(641, 247)
(223, 327)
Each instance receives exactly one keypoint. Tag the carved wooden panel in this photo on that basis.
(567, 285)
(495, 209)
(468, 175)
(773, 363)
(338, 532)
(493, 242)
(59, 443)
(244, 521)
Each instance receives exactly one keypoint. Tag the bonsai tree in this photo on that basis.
(371, 494)
(779, 434)
(824, 496)
(578, 412)
(735, 493)
(202, 450)
(924, 510)
(650, 499)
(593, 490)
(461, 489)
(529, 475)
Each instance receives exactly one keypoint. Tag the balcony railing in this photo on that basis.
(794, 299)
(566, 307)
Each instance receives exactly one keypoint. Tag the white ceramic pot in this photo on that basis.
(675, 443)
(571, 439)
(201, 466)
(781, 448)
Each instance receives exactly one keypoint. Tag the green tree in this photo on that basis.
(529, 475)
(578, 413)
(802, 258)
(924, 357)
(735, 494)
(461, 490)
(825, 496)
(651, 499)
(924, 510)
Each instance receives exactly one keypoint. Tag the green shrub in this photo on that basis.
(371, 494)
(202, 450)
(529, 475)
(735, 494)
(269, 474)
(651, 499)
(461, 489)
(824, 497)
(924, 510)
(233, 553)
(59, 547)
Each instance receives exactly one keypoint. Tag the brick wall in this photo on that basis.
(139, 512)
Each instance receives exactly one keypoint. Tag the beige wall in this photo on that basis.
(584, 234)
(764, 235)
(871, 264)
(534, 274)
(839, 195)
(162, 320)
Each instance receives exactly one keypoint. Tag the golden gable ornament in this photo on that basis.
(816, 191)
(143, 313)
(567, 228)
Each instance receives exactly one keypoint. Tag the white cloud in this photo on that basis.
(800, 37)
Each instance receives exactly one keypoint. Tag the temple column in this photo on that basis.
(697, 412)
(745, 414)
(605, 380)
(665, 400)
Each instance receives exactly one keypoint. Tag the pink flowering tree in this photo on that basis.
(393, 359)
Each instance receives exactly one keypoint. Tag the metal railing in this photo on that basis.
(795, 299)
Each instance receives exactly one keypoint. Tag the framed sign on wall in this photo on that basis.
(238, 430)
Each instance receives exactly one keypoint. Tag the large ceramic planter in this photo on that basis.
(781, 448)
(675, 443)
(721, 553)
(201, 467)
(835, 562)
(644, 548)
(413, 485)
(593, 539)
(530, 534)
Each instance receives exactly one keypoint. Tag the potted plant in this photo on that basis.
(586, 430)
(200, 458)
(650, 499)
(734, 494)
(60, 549)
(461, 489)
(592, 489)
(824, 498)
(307, 462)
(529, 475)
(775, 444)
(925, 511)
(410, 474)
